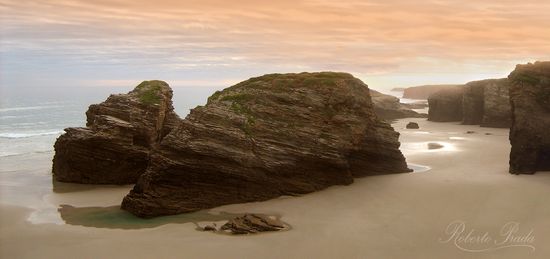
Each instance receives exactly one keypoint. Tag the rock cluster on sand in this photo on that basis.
(487, 103)
(252, 224)
(530, 132)
(446, 105)
(114, 146)
(388, 107)
(422, 92)
(278, 134)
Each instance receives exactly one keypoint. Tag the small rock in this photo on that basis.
(434, 146)
(412, 125)
(488, 133)
(470, 132)
(209, 228)
(252, 223)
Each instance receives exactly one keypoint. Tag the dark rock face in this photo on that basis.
(529, 135)
(412, 125)
(422, 92)
(446, 105)
(472, 103)
(278, 134)
(388, 107)
(487, 103)
(114, 146)
(497, 112)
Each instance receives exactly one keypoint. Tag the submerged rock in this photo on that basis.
(446, 105)
(278, 134)
(412, 125)
(530, 101)
(114, 146)
(388, 107)
(434, 146)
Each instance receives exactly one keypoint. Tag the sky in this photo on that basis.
(59, 44)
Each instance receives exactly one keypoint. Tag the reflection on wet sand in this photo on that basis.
(61, 187)
(114, 217)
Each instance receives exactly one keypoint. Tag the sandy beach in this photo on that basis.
(389, 216)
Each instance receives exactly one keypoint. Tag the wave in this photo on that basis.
(11, 135)
(8, 154)
(26, 108)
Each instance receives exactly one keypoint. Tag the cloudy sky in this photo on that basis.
(387, 43)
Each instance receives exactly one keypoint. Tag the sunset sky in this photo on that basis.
(387, 43)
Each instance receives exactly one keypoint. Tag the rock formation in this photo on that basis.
(114, 146)
(388, 107)
(497, 112)
(278, 134)
(412, 125)
(446, 105)
(487, 103)
(472, 103)
(530, 101)
(252, 224)
(422, 92)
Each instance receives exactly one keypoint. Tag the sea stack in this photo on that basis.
(446, 105)
(114, 146)
(486, 103)
(529, 134)
(273, 135)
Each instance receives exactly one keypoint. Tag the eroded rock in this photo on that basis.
(446, 105)
(530, 102)
(278, 134)
(114, 146)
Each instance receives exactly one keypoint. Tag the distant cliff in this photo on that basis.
(424, 91)
(485, 103)
(388, 107)
(446, 105)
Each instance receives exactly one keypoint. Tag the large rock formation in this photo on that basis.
(497, 112)
(472, 103)
(530, 101)
(422, 92)
(114, 146)
(388, 107)
(487, 103)
(446, 105)
(278, 134)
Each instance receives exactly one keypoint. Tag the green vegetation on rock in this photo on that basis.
(149, 91)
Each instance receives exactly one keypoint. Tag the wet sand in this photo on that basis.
(389, 216)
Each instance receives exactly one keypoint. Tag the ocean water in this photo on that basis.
(31, 122)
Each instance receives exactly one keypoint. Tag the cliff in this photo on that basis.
(530, 103)
(114, 146)
(446, 105)
(278, 134)
(422, 92)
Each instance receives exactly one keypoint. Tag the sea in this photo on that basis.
(30, 123)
